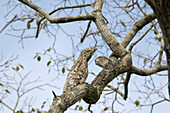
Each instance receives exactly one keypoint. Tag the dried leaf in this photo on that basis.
(122, 23)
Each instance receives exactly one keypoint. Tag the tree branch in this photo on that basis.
(136, 27)
(126, 83)
(61, 103)
(84, 36)
(68, 7)
(57, 20)
(6, 105)
(148, 72)
(114, 45)
(116, 89)
(140, 38)
(8, 23)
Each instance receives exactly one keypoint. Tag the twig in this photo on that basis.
(140, 38)
(90, 109)
(116, 89)
(68, 7)
(84, 36)
(6, 105)
(55, 96)
(8, 23)
(126, 82)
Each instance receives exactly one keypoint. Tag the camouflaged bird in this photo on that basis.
(79, 70)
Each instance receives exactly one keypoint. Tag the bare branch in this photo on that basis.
(8, 23)
(61, 103)
(148, 72)
(126, 82)
(84, 36)
(114, 45)
(140, 38)
(57, 20)
(68, 7)
(6, 105)
(116, 89)
(136, 27)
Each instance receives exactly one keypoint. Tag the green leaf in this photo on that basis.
(13, 68)
(122, 23)
(38, 111)
(63, 70)
(20, 111)
(68, 69)
(7, 91)
(80, 108)
(23, 15)
(6, 66)
(1, 84)
(76, 107)
(48, 63)
(17, 68)
(137, 102)
(158, 39)
(35, 56)
(43, 104)
(39, 58)
(28, 25)
(32, 110)
(49, 49)
(106, 108)
(21, 66)
(145, 60)
(155, 31)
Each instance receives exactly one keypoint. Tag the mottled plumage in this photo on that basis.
(79, 70)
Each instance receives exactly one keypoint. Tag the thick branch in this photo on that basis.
(136, 27)
(61, 103)
(148, 72)
(91, 93)
(57, 20)
(114, 45)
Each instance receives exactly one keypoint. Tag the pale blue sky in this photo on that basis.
(10, 45)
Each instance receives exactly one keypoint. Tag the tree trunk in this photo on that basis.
(162, 11)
